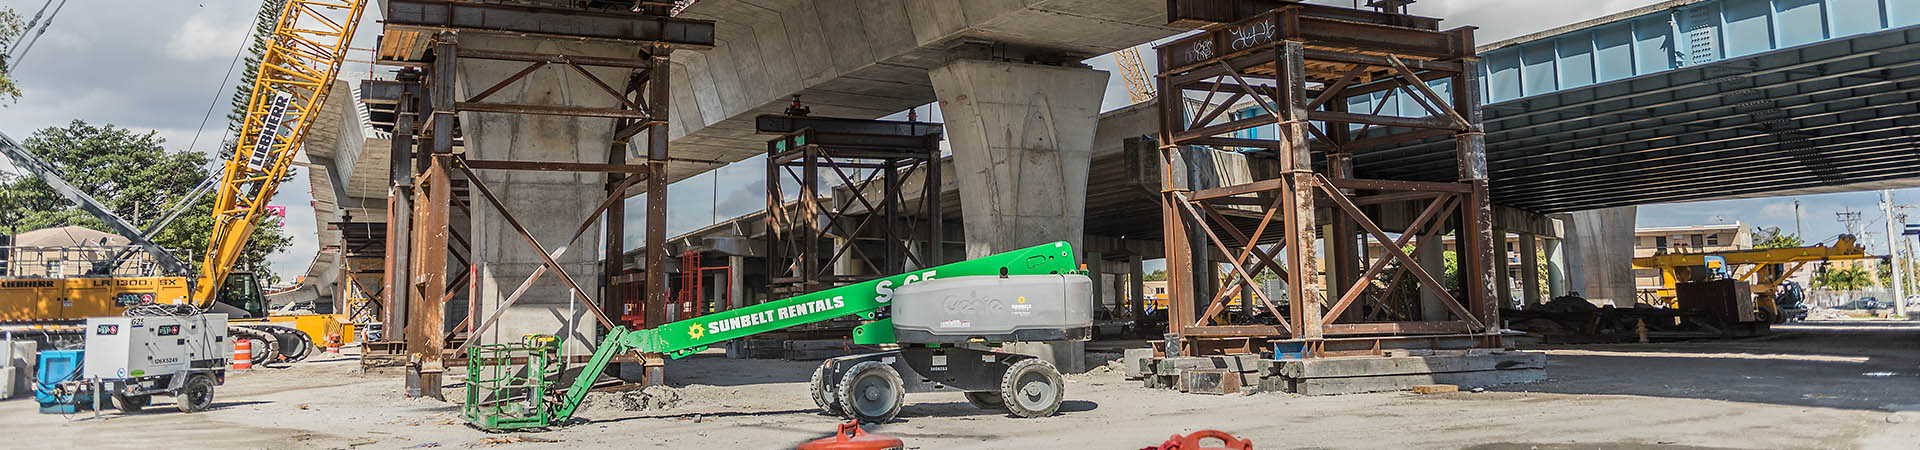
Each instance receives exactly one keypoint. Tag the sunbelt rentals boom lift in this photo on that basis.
(947, 320)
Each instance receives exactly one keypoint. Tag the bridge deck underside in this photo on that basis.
(1835, 115)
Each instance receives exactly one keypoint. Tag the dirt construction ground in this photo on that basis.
(1818, 385)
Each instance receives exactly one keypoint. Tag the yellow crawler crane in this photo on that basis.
(302, 58)
(1766, 269)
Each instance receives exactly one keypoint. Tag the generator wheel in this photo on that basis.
(1032, 388)
(872, 392)
(130, 403)
(987, 400)
(823, 392)
(196, 395)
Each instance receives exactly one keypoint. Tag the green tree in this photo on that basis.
(10, 29)
(1885, 270)
(1773, 238)
(1157, 275)
(135, 177)
(1843, 279)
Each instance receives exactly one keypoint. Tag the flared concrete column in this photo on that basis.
(1556, 268)
(1529, 270)
(1022, 138)
(1600, 249)
(551, 205)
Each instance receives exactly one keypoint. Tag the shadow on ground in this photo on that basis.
(1852, 365)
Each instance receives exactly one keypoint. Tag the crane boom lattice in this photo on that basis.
(1135, 73)
(304, 54)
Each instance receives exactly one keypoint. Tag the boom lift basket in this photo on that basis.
(506, 383)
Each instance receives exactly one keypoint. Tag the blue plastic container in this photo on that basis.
(1288, 350)
(57, 366)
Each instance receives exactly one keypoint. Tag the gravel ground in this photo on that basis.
(1838, 384)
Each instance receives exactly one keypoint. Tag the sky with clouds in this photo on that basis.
(158, 65)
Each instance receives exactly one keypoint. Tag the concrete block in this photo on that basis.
(1173, 366)
(1210, 381)
(1238, 363)
(1275, 384)
(7, 377)
(1386, 383)
(1377, 366)
(24, 357)
(1134, 362)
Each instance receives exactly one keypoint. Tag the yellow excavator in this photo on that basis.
(1766, 269)
(302, 58)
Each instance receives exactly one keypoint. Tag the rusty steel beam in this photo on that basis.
(555, 166)
(573, 23)
(1200, 13)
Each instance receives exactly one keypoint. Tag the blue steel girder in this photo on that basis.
(1792, 117)
(1675, 35)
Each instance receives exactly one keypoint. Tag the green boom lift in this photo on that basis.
(946, 318)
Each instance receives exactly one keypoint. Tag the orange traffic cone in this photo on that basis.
(851, 437)
(333, 343)
(242, 354)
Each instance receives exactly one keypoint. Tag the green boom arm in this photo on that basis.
(686, 337)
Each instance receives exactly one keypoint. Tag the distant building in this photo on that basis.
(70, 251)
(1650, 241)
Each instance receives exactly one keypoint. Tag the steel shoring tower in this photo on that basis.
(429, 179)
(871, 225)
(1300, 64)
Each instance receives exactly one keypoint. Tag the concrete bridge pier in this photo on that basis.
(1600, 249)
(550, 204)
(1022, 137)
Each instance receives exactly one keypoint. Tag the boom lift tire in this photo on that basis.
(196, 395)
(1032, 387)
(987, 400)
(872, 392)
(823, 392)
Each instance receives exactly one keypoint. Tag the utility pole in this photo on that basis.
(1899, 272)
(1848, 217)
(1797, 232)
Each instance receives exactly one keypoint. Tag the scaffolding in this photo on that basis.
(864, 224)
(431, 181)
(1303, 66)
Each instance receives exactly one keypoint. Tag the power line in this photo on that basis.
(30, 24)
(36, 36)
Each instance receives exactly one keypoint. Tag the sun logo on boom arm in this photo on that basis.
(696, 331)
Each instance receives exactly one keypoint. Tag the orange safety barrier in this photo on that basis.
(242, 354)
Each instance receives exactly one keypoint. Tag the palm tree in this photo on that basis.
(1847, 279)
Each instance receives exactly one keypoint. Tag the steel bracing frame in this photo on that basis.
(430, 180)
(867, 164)
(1299, 64)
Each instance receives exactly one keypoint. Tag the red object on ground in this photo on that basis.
(851, 437)
(242, 354)
(1192, 442)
